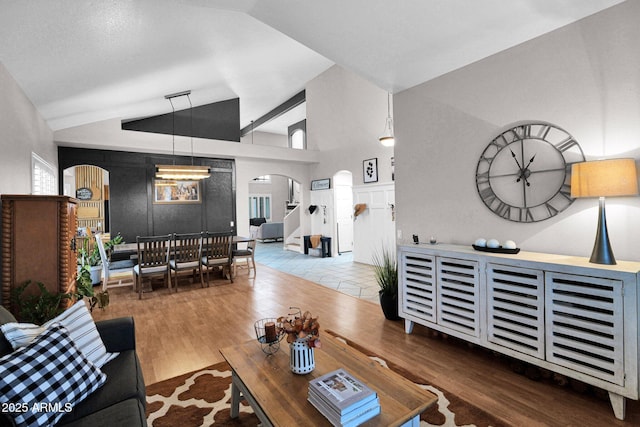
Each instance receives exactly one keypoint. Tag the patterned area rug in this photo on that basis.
(202, 398)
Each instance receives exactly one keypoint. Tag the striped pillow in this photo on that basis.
(82, 330)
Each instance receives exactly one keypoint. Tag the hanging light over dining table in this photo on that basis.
(181, 172)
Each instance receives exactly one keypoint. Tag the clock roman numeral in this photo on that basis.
(487, 195)
(482, 178)
(544, 131)
(566, 144)
(500, 142)
(550, 209)
(522, 132)
(565, 191)
(504, 210)
(525, 215)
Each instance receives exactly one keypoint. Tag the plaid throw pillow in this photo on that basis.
(41, 382)
(80, 325)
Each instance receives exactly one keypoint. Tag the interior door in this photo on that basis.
(344, 217)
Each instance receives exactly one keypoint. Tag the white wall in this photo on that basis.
(22, 131)
(345, 117)
(584, 77)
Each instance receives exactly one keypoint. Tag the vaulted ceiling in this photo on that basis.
(86, 61)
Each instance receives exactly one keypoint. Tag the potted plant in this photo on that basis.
(39, 307)
(91, 261)
(385, 268)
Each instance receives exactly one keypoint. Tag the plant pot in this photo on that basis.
(302, 357)
(389, 304)
(96, 274)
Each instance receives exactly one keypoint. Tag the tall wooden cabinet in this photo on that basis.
(38, 243)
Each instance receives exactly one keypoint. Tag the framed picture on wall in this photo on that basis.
(170, 191)
(321, 184)
(370, 170)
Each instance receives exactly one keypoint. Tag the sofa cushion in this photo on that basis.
(47, 378)
(78, 322)
(5, 317)
(256, 222)
(124, 381)
(129, 413)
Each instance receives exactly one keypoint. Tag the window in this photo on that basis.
(298, 135)
(43, 176)
(260, 206)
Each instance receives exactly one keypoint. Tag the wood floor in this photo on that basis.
(181, 332)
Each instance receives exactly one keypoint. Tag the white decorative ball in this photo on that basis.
(481, 242)
(493, 243)
(509, 244)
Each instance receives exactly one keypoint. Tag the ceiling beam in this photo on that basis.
(289, 104)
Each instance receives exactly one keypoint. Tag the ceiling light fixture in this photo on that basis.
(387, 138)
(181, 172)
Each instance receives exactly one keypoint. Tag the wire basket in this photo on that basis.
(269, 332)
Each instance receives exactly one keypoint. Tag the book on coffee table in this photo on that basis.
(342, 398)
(362, 413)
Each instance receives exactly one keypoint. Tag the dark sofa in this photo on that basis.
(121, 401)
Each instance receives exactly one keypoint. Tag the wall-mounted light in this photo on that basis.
(387, 139)
(181, 172)
(604, 178)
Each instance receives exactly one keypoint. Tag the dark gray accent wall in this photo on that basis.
(220, 120)
(131, 207)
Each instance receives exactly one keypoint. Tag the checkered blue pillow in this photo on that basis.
(45, 379)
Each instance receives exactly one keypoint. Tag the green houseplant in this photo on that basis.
(39, 307)
(385, 268)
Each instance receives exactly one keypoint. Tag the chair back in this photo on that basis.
(216, 245)
(187, 247)
(103, 256)
(153, 251)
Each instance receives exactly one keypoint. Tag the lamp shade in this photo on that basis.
(604, 178)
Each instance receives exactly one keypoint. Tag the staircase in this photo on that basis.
(292, 232)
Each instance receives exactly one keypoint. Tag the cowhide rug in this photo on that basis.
(202, 398)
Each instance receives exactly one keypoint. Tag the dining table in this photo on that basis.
(132, 248)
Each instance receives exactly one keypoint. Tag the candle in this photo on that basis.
(270, 331)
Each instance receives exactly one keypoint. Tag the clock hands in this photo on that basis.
(524, 172)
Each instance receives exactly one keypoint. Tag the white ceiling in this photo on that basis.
(85, 61)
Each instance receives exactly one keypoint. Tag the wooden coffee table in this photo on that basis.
(279, 397)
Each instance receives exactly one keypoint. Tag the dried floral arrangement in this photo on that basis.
(301, 326)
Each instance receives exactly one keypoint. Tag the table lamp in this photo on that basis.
(604, 178)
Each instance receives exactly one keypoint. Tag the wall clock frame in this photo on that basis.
(524, 173)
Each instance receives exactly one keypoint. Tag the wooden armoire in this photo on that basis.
(38, 243)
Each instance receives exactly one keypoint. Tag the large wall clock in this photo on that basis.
(524, 174)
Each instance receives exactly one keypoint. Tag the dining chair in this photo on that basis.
(216, 253)
(187, 252)
(119, 269)
(246, 255)
(153, 259)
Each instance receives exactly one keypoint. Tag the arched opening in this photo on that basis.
(276, 198)
(90, 185)
(343, 193)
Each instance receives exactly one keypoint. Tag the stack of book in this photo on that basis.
(344, 400)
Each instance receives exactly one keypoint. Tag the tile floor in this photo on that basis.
(339, 272)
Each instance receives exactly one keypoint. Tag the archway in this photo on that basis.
(277, 199)
(90, 185)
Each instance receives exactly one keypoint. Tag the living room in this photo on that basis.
(582, 77)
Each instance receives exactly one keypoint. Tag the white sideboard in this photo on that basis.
(558, 312)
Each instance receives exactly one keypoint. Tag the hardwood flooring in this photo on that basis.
(181, 332)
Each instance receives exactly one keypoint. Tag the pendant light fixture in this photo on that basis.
(181, 172)
(387, 138)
